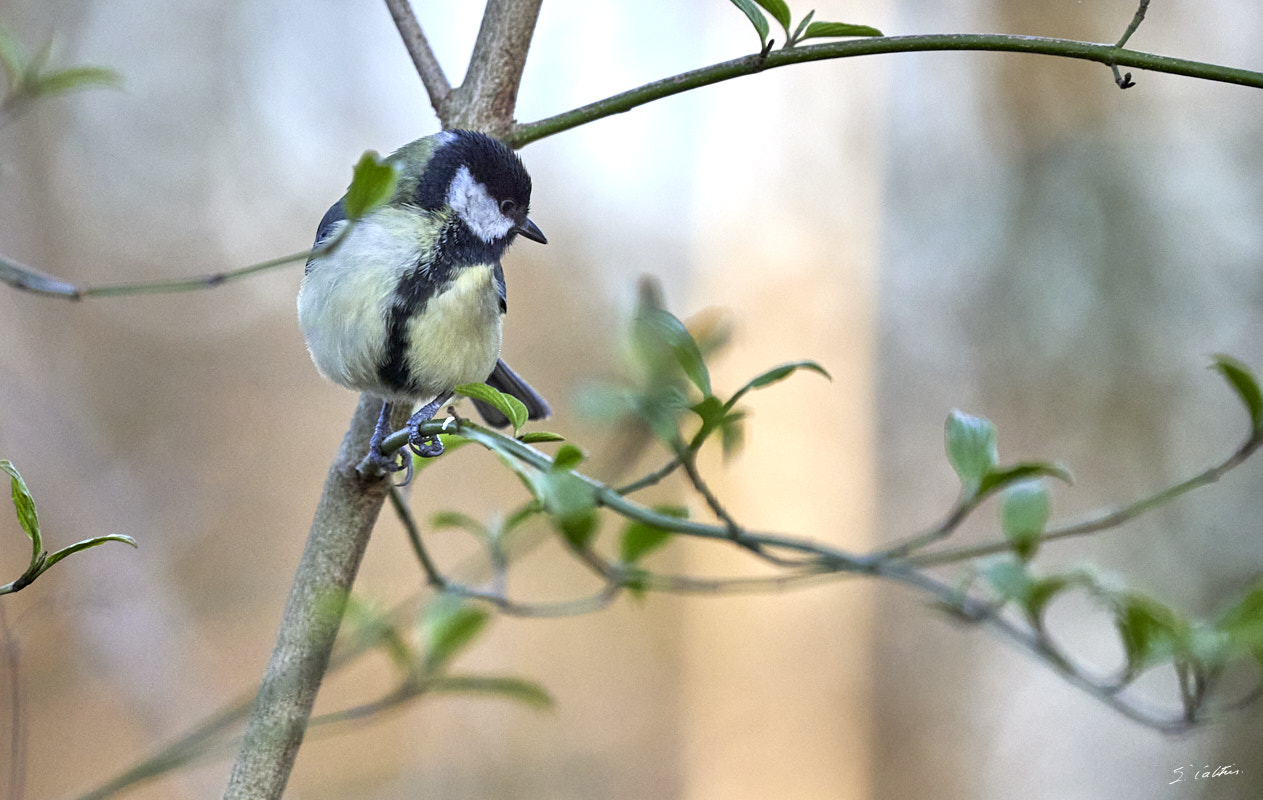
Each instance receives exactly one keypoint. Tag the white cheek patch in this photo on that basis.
(469, 199)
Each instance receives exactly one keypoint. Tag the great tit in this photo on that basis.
(408, 305)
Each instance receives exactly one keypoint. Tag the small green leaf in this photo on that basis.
(1041, 593)
(447, 627)
(372, 185)
(371, 627)
(710, 410)
(775, 375)
(1151, 632)
(732, 433)
(778, 10)
(837, 30)
(802, 26)
(569, 500)
(39, 60)
(654, 326)
(539, 437)
(640, 539)
(85, 544)
(506, 404)
(1014, 580)
(1243, 623)
(579, 527)
(517, 519)
(756, 18)
(661, 410)
(1023, 515)
(29, 520)
(522, 691)
(971, 448)
(1246, 385)
(1211, 647)
(520, 415)
(73, 79)
(25, 506)
(1009, 578)
(13, 57)
(1005, 476)
(455, 519)
(568, 457)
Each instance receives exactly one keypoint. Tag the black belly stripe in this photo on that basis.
(411, 295)
(455, 245)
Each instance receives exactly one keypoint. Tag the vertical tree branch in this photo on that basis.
(344, 519)
(349, 504)
(428, 67)
(486, 99)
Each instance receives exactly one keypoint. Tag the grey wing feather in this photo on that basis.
(335, 214)
(502, 288)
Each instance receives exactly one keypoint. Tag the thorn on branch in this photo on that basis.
(1123, 80)
(767, 48)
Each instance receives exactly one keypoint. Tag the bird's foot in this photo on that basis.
(425, 446)
(395, 462)
(428, 446)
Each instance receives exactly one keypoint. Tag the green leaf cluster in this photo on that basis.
(446, 628)
(568, 499)
(669, 391)
(640, 538)
(29, 78)
(974, 455)
(673, 384)
(1151, 633)
(41, 560)
(806, 28)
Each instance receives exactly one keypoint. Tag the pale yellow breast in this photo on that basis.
(457, 339)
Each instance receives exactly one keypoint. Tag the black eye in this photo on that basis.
(508, 208)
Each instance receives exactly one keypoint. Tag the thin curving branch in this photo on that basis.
(1138, 18)
(32, 280)
(1100, 521)
(1039, 645)
(428, 67)
(1107, 54)
(29, 279)
(500, 55)
(609, 497)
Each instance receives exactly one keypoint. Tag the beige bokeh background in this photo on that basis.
(1010, 235)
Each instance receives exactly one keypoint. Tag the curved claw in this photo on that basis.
(425, 446)
(407, 479)
(395, 462)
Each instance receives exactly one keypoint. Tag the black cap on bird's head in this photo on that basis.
(483, 182)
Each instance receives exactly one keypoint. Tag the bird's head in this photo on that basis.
(475, 178)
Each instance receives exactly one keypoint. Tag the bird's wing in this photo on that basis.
(501, 288)
(335, 214)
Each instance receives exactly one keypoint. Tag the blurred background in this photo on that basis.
(1010, 235)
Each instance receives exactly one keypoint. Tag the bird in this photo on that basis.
(408, 304)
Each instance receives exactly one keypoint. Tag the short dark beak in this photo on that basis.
(531, 231)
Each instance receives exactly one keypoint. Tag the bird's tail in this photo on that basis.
(506, 380)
